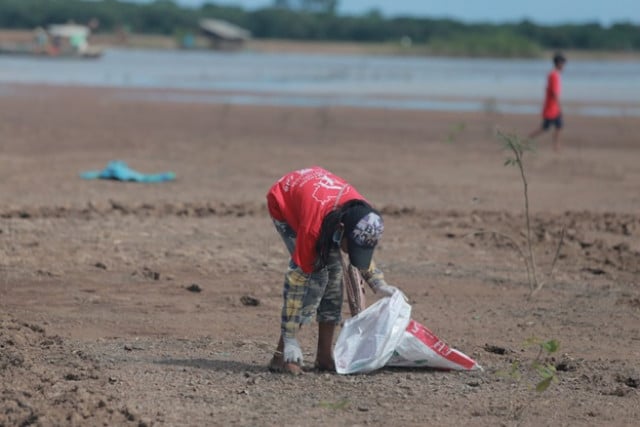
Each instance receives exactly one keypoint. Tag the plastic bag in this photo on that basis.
(368, 340)
(420, 347)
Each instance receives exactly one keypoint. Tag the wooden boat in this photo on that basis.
(58, 41)
(91, 52)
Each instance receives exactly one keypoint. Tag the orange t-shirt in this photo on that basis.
(552, 97)
(302, 199)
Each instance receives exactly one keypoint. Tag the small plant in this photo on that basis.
(339, 405)
(546, 371)
(518, 147)
(454, 131)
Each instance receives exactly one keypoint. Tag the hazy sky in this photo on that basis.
(540, 11)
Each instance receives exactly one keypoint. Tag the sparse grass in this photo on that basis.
(336, 406)
(455, 131)
(518, 148)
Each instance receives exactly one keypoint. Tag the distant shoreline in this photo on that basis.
(351, 48)
(151, 41)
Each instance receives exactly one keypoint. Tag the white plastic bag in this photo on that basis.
(420, 347)
(368, 340)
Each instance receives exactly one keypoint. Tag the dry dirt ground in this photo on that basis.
(101, 324)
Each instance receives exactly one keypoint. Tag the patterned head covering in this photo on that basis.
(363, 228)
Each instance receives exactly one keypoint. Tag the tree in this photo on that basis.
(317, 6)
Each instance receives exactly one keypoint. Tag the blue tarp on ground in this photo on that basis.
(120, 171)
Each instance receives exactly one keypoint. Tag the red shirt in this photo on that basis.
(552, 97)
(302, 199)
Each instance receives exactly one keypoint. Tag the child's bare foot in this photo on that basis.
(278, 364)
(328, 365)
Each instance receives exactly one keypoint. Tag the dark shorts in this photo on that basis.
(556, 121)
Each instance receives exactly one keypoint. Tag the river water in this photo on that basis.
(450, 84)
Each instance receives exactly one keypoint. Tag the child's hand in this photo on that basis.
(386, 290)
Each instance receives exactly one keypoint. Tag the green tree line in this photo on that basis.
(322, 23)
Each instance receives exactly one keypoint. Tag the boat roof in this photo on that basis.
(224, 29)
(68, 30)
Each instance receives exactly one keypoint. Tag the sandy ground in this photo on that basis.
(98, 325)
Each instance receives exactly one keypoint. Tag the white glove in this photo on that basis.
(292, 352)
(386, 290)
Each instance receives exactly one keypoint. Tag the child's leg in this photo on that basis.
(543, 128)
(556, 139)
(330, 312)
(556, 133)
(302, 295)
(324, 356)
(292, 285)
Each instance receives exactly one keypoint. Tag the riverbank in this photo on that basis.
(148, 41)
(347, 48)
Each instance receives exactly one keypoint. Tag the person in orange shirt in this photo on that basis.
(319, 215)
(552, 112)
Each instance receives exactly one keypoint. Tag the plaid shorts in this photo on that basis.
(305, 294)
